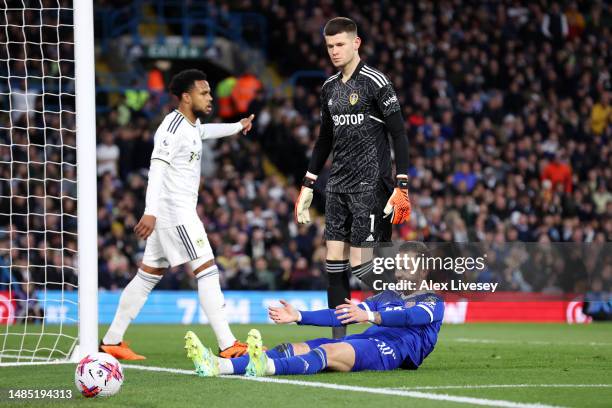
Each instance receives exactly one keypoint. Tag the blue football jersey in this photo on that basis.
(414, 342)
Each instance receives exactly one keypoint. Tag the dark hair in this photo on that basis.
(184, 81)
(415, 247)
(419, 249)
(339, 25)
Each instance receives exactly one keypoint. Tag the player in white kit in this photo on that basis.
(170, 224)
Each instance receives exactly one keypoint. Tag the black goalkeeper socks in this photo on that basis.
(365, 273)
(338, 289)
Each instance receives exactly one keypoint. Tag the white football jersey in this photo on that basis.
(178, 142)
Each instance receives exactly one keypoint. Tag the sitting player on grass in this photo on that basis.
(404, 332)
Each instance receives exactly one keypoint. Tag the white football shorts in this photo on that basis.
(174, 246)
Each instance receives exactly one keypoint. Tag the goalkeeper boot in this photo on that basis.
(258, 361)
(235, 350)
(121, 351)
(205, 362)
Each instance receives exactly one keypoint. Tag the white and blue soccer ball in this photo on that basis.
(98, 375)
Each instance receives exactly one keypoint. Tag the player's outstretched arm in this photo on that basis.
(219, 130)
(288, 314)
(284, 314)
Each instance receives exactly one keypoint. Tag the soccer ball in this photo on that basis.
(98, 375)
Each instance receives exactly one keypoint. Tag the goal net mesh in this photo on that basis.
(38, 223)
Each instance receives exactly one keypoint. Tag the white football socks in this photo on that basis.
(270, 367)
(131, 301)
(225, 366)
(213, 304)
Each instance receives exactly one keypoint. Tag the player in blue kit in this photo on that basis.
(404, 332)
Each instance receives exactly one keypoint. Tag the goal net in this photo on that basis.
(39, 226)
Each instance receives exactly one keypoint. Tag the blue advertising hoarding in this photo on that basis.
(176, 307)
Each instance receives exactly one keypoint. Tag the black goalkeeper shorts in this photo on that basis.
(357, 218)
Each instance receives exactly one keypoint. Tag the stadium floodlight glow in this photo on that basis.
(48, 219)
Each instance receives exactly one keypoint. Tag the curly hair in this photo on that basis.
(184, 81)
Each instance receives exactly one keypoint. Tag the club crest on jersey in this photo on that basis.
(353, 98)
(200, 242)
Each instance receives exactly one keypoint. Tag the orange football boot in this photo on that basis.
(121, 351)
(235, 350)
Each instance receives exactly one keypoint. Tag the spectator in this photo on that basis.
(244, 91)
(575, 20)
(301, 278)
(559, 173)
(464, 179)
(601, 114)
(601, 198)
(554, 24)
(107, 154)
(264, 275)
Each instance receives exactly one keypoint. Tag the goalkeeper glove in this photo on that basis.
(302, 204)
(398, 206)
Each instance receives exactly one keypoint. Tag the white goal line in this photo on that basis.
(369, 390)
(484, 386)
(530, 342)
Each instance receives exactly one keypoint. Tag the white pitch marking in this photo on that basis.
(159, 369)
(529, 342)
(469, 387)
(380, 391)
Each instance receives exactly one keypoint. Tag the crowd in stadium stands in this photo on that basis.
(508, 113)
(37, 155)
(508, 110)
(509, 121)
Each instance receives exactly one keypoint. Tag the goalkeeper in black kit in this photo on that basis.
(358, 107)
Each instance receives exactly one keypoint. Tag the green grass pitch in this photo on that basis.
(549, 364)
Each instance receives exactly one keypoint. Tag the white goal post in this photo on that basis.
(87, 190)
(48, 182)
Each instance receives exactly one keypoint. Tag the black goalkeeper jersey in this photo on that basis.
(355, 113)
